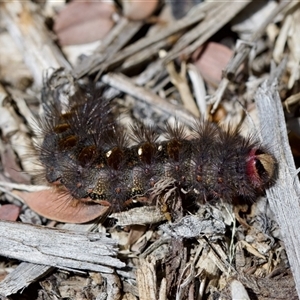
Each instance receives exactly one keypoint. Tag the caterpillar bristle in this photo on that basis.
(140, 134)
(176, 131)
(117, 138)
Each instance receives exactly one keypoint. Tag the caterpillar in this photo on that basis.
(88, 153)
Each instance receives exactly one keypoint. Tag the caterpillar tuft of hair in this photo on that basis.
(88, 153)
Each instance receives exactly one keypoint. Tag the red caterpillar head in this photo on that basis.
(261, 168)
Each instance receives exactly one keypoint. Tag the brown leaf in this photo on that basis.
(212, 60)
(86, 32)
(84, 22)
(61, 206)
(139, 10)
(77, 12)
(11, 167)
(9, 212)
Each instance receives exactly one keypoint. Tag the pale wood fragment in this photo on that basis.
(146, 279)
(238, 291)
(10, 60)
(13, 129)
(28, 31)
(139, 215)
(114, 286)
(281, 39)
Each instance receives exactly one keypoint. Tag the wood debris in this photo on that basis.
(231, 62)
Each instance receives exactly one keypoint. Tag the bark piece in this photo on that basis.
(284, 195)
(58, 248)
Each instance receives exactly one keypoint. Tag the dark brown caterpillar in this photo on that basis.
(91, 156)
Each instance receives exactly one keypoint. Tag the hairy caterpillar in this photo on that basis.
(86, 151)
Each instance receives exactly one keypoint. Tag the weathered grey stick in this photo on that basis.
(26, 273)
(58, 248)
(21, 277)
(284, 196)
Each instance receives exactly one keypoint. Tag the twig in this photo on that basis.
(23, 187)
(116, 39)
(198, 88)
(243, 51)
(143, 43)
(180, 81)
(215, 19)
(143, 56)
(217, 96)
(124, 84)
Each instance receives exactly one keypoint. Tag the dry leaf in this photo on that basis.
(9, 212)
(84, 22)
(211, 60)
(61, 207)
(139, 10)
